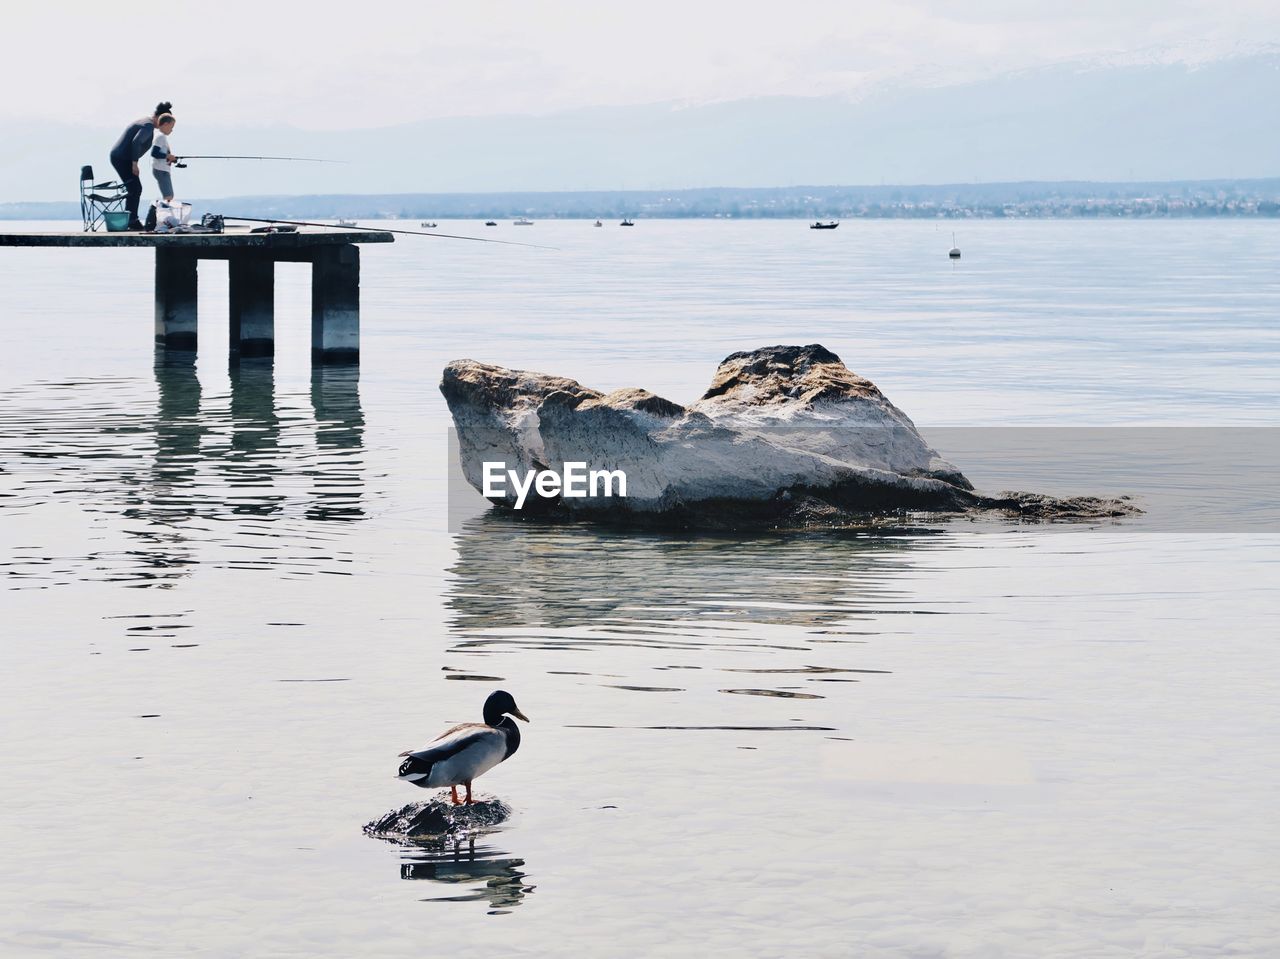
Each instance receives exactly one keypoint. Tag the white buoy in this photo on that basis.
(954, 252)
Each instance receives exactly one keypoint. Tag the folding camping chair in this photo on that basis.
(99, 198)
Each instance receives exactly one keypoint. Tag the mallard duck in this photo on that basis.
(460, 755)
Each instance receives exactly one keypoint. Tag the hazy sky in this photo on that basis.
(330, 65)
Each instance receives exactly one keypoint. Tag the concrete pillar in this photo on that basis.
(335, 305)
(252, 297)
(175, 299)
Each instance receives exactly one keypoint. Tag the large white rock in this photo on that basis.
(784, 436)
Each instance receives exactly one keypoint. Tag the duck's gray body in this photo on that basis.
(461, 755)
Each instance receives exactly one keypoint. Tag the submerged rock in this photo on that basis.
(785, 437)
(438, 818)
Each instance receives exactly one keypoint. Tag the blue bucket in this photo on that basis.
(117, 221)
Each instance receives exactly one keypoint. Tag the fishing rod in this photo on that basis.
(222, 156)
(218, 156)
(378, 229)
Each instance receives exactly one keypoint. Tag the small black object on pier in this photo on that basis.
(251, 259)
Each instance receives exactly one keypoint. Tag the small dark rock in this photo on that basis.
(1038, 506)
(437, 818)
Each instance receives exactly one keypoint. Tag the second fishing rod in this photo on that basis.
(297, 223)
(379, 229)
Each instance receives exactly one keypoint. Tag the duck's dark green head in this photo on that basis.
(500, 703)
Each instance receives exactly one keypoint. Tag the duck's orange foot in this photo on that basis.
(468, 794)
(453, 790)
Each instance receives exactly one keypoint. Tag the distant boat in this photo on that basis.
(521, 221)
(342, 222)
(954, 252)
(428, 224)
(829, 225)
(598, 223)
(490, 223)
(626, 222)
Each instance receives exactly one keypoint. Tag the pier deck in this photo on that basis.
(335, 282)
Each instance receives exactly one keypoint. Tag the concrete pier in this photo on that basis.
(251, 257)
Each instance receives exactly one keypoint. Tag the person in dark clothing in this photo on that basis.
(133, 145)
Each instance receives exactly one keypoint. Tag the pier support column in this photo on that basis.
(335, 305)
(252, 298)
(175, 299)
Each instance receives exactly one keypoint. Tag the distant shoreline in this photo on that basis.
(1185, 199)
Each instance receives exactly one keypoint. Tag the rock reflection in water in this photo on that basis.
(643, 587)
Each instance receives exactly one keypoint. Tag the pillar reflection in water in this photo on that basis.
(179, 429)
(338, 483)
(161, 500)
(251, 446)
(253, 459)
(251, 456)
(177, 470)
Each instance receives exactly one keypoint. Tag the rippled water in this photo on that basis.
(233, 595)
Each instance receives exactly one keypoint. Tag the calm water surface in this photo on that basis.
(233, 594)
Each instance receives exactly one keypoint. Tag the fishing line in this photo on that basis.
(378, 229)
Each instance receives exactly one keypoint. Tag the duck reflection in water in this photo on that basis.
(441, 842)
(458, 861)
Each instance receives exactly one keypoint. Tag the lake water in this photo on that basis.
(233, 595)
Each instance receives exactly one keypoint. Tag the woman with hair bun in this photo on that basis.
(132, 146)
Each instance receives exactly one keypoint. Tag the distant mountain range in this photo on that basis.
(1135, 122)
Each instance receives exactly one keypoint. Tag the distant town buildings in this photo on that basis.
(1032, 201)
(1065, 200)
